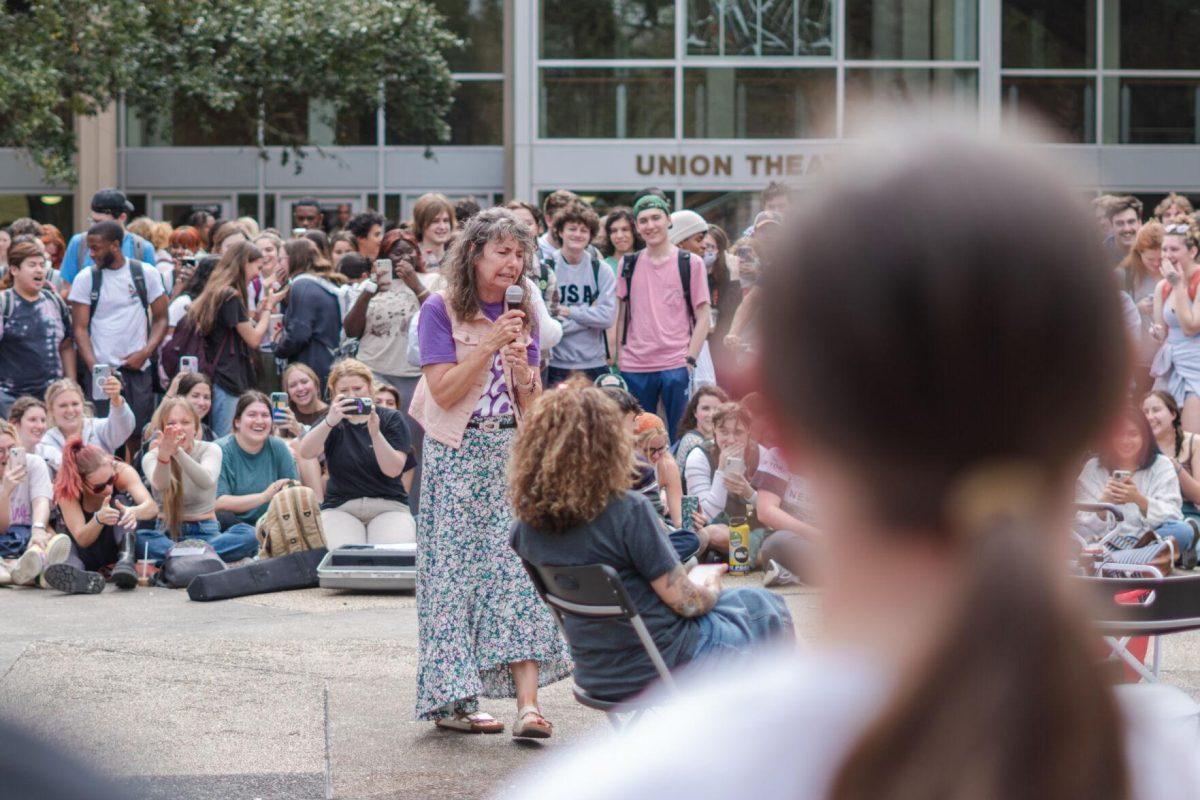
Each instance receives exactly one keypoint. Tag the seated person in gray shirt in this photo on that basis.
(569, 479)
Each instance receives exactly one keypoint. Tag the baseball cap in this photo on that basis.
(111, 201)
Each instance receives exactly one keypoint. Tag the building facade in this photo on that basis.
(707, 99)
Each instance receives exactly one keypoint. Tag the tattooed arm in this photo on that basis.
(686, 597)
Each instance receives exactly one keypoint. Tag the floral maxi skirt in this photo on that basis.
(476, 607)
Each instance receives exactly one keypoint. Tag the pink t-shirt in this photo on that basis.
(659, 327)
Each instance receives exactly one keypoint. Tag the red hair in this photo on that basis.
(53, 236)
(78, 459)
(187, 237)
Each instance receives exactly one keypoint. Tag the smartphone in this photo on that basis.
(188, 261)
(279, 407)
(362, 406)
(16, 454)
(189, 364)
(100, 373)
(735, 466)
(689, 504)
(383, 272)
(1122, 474)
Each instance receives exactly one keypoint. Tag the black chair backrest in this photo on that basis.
(593, 590)
(1174, 605)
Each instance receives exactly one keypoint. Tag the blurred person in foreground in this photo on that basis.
(984, 681)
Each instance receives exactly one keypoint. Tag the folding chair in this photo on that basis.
(595, 591)
(1170, 605)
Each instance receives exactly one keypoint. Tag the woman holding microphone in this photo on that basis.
(483, 630)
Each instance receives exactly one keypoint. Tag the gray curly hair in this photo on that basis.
(492, 225)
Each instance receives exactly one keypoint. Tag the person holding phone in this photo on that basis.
(1132, 474)
(574, 507)
(69, 419)
(367, 450)
(27, 545)
(102, 500)
(720, 473)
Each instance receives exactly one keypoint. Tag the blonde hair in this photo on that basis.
(172, 507)
(571, 457)
(426, 210)
(299, 366)
(62, 386)
(143, 227)
(160, 235)
(351, 367)
(7, 429)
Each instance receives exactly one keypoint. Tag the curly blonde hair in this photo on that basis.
(571, 457)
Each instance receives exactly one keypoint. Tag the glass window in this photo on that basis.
(608, 29)
(1067, 104)
(53, 209)
(1048, 34)
(731, 211)
(476, 118)
(231, 128)
(314, 122)
(912, 29)
(480, 24)
(603, 200)
(1151, 111)
(582, 103)
(753, 103)
(760, 28)
(917, 89)
(1154, 34)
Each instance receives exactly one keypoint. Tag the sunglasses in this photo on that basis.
(98, 488)
(1178, 229)
(653, 451)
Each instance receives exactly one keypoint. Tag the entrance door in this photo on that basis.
(338, 209)
(177, 210)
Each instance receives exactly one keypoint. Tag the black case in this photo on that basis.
(280, 574)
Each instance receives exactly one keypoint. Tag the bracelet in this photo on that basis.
(691, 362)
(326, 420)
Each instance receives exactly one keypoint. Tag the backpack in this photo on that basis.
(8, 306)
(685, 277)
(292, 523)
(189, 340)
(81, 252)
(185, 561)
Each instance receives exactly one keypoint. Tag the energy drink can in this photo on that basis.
(739, 546)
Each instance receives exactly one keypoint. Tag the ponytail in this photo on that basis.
(1010, 703)
(78, 459)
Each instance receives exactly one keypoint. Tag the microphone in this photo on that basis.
(513, 297)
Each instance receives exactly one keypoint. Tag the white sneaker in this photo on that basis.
(27, 568)
(58, 549)
(777, 575)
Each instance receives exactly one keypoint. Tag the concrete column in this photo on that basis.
(97, 137)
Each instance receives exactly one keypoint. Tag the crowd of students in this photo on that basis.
(136, 362)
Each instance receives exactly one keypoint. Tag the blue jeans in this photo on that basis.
(742, 619)
(233, 545)
(14, 541)
(221, 416)
(671, 385)
(1178, 530)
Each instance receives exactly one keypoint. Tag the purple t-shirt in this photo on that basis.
(436, 339)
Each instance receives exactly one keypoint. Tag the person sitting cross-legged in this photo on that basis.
(569, 481)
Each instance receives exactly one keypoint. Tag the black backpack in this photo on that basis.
(186, 560)
(685, 277)
(8, 305)
(139, 284)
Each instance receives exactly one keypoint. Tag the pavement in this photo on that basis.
(303, 695)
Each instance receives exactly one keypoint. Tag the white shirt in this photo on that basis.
(178, 310)
(782, 727)
(118, 328)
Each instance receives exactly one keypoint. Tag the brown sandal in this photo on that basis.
(531, 724)
(478, 722)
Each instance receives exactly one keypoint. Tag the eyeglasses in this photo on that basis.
(654, 451)
(98, 488)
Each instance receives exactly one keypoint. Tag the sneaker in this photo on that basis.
(28, 567)
(776, 575)
(58, 549)
(73, 580)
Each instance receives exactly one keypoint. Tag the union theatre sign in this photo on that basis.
(753, 165)
(593, 165)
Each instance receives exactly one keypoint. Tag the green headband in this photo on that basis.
(650, 201)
